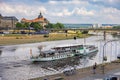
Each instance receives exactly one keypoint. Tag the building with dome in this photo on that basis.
(40, 19)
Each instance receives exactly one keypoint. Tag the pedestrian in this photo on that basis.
(95, 64)
(94, 69)
(74, 38)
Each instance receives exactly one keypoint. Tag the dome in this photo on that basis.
(40, 15)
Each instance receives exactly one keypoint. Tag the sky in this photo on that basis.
(64, 11)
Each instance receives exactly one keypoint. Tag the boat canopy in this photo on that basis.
(48, 51)
(68, 46)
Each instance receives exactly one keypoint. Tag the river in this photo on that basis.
(15, 61)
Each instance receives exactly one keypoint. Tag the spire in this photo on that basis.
(40, 15)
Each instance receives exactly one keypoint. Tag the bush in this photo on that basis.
(17, 37)
(46, 35)
(84, 32)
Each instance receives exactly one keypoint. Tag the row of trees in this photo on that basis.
(37, 26)
(55, 26)
(116, 27)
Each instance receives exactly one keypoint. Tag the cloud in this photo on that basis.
(53, 2)
(83, 12)
(69, 11)
(110, 10)
(106, 15)
(22, 9)
(43, 1)
(106, 3)
(65, 12)
(75, 11)
(75, 2)
(42, 9)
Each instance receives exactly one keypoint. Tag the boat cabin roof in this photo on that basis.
(48, 51)
(67, 46)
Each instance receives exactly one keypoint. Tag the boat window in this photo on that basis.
(51, 53)
(44, 55)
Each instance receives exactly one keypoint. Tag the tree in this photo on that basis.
(26, 25)
(36, 26)
(49, 26)
(54, 26)
(60, 25)
(19, 25)
(85, 32)
(116, 27)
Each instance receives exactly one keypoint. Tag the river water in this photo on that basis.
(15, 61)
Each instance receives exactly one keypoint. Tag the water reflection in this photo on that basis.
(0, 52)
(116, 35)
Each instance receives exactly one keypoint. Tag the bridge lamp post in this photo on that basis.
(104, 57)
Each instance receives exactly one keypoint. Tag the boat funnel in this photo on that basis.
(31, 52)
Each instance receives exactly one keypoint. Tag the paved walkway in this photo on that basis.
(87, 73)
(109, 74)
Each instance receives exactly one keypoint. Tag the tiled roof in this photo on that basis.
(34, 20)
(10, 18)
(40, 18)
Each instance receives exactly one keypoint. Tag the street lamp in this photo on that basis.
(104, 57)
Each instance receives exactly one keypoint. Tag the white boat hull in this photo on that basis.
(62, 56)
(52, 58)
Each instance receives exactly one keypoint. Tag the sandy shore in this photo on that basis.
(81, 73)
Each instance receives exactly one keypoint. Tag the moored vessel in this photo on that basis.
(64, 51)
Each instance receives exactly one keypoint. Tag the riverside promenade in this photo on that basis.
(87, 73)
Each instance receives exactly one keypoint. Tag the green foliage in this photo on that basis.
(49, 26)
(22, 25)
(59, 26)
(55, 26)
(46, 35)
(37, 26)
(85, 32)
(26, 25)
(116, 27)
(19, 25)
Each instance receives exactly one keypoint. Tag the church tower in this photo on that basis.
(40, 15)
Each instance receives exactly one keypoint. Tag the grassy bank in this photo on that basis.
(11, 39)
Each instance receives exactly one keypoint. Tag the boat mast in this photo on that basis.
(31, 52)
(40, 48)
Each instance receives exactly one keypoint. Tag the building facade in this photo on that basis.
(96, 26)
(40, 19)
(8, 22)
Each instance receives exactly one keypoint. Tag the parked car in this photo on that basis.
(112, 78)
(1, 32)
(42, 32)
(5, 32)
(59, 78)
(118, 56)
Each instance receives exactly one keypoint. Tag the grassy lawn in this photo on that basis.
(11, 39)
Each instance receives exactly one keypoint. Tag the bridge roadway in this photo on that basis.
(88, 29)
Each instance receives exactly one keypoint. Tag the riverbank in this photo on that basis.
(13, 39)
(82, 73)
